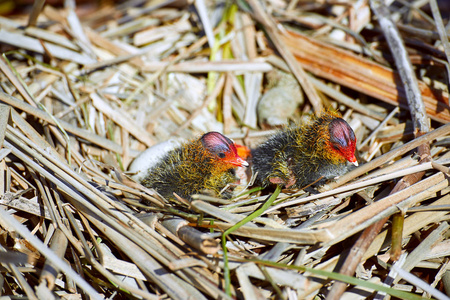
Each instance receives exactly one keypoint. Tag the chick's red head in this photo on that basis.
(224, 148)
(343, 140)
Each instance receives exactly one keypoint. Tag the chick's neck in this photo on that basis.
(316, 141)
(208, 171)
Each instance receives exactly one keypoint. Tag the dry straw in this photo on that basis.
(85, 89)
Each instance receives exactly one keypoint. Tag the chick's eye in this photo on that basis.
(221, 155)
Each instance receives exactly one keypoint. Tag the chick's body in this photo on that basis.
(298, 156)
(194, 167)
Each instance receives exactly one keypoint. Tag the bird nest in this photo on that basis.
(86, 88)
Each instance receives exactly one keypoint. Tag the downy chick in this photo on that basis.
(298, 156)
(205, 164)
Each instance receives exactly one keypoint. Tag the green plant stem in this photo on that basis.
(253, 215)
(344, 278)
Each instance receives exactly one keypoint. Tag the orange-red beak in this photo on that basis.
(243, 153)
(238, 161)
(353, 160)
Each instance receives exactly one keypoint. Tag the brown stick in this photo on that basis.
(362, 75)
